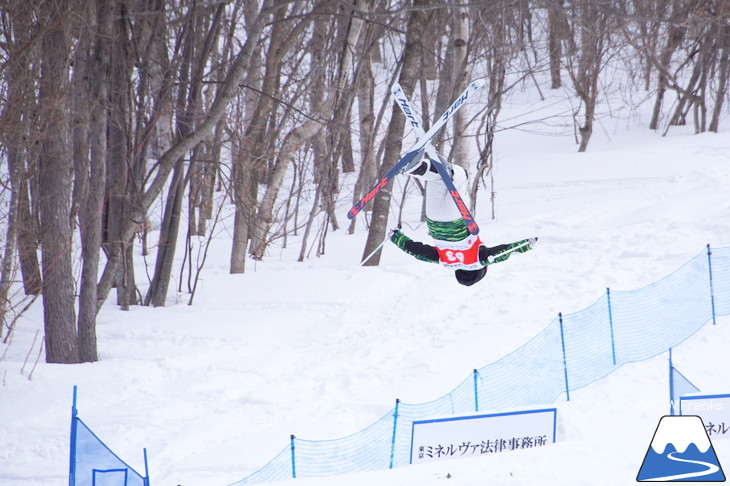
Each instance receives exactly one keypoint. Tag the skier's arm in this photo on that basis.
(422, 251)
(499, 253)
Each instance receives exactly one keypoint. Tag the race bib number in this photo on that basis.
(461, 254)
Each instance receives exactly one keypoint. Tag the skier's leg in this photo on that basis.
(439, 203)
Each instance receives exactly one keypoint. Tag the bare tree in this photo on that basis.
(557, 31)
(19, 134)
(493, 34)
(590, 26)
(251, 153)
(201, 132)
(277, 162)
(55, 180)
(418, 21)
(90, 177)
(461, 75)
(367, 122)
(707, 29)
(332, 144)
(721, 31)
(109, 104)
(672, 40)
(15, 125)
(200, 32)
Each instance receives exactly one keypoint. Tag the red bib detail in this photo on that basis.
(462, 254)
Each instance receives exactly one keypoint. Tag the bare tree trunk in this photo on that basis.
(498, 36)
(556, 31)
(364, 86)
(206, 189)
(92, 203)
(295, 139)
(254, 144)
(723, 73)
(650, 16)
(461, 76)
(722, 39)
(28, 241)
(6, 270)
(321, 169)
(675, 36)
(13, 128)
(298, 136)
(205, 164)
(151, 131)
(592, 27)
(157, 292)
(160, 86)
(80, 106)
(310, 222)
(366, 110)
(244, 193)
(691, 95)
(118, 155)
(19, 124)
(80, 122)
(243, 186)
(189, 103)
(56, 169)
(328, 103)
(417, 24)
(204, 130)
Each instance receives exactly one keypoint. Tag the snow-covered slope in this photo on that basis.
(322, 349)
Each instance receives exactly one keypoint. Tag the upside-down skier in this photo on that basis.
(454, 246)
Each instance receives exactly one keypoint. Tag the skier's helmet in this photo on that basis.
(470, 277)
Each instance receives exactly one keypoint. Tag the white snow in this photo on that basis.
(680, 432)
(322, 349)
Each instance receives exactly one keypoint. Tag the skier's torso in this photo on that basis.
(457, 248)
(462, 254)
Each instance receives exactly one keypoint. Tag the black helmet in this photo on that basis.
(470, 277)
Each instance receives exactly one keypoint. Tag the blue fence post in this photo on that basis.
(476, 390)
(712, 292)
(293, 459)
(565, 361)
(395, 428)
(146, 468)
(72, 455)
(671, 384)
(610, 323)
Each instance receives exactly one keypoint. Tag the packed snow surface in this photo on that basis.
(322, 349)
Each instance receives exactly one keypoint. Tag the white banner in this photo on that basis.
(476, 435)
(714, 410)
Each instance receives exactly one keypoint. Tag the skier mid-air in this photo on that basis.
(454, 246)
(457, 244)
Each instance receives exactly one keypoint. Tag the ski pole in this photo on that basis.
(374, 251)
(492, 258)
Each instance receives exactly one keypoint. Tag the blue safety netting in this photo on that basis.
(94, 464)
(573, 351)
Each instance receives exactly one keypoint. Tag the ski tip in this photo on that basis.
(478, 83)
(353, 212)
(473, 228)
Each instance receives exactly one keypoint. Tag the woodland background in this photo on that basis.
(125, 118)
